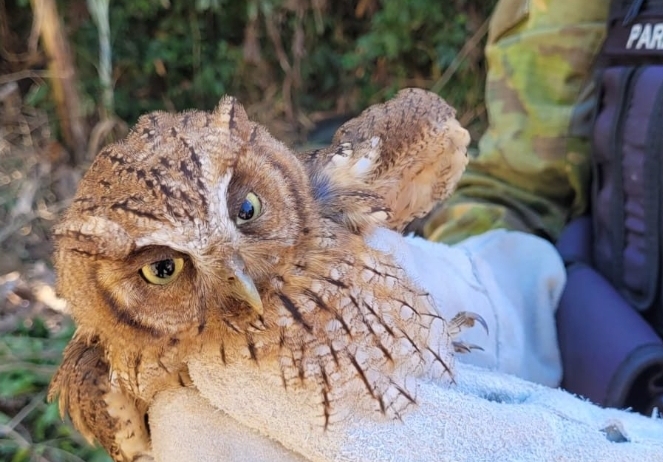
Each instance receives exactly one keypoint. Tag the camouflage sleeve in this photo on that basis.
(532, 169)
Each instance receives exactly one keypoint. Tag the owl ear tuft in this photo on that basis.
(230, 113)
(94, 236)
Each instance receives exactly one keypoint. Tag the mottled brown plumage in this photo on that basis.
(404, 153)
(200, 231)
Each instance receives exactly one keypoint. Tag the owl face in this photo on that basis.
(192, 214)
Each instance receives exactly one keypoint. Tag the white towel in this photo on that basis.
(487, 416)
(514, 281)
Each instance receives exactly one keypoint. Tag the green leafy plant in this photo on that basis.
(286, 60)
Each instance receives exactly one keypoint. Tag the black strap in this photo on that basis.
(632, 12)
(652, 204)
(615, 271)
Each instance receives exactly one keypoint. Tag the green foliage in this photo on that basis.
(415, 42)
(164, 58)
(308, 55)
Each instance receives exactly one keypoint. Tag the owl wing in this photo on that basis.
(99, 410)
(392, 163)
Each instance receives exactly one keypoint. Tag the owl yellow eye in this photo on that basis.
(249, 209)
(163, 271)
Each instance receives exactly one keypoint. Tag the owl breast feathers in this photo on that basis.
(201, 232)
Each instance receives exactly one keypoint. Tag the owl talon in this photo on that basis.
(462, 347)
(467, 319)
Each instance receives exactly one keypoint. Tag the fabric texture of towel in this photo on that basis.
(512, 279)
(494, 411)
(487, 416)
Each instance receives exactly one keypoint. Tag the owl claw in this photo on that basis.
(467, 319)
(258, 325)
(462, 347)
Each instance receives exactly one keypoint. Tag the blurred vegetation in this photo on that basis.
(291, 62)
(299, 66)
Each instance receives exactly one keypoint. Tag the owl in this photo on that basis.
(201, 232)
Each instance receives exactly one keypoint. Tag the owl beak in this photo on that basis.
(243, 286)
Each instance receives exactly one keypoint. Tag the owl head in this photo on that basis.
(191, 214)
(203, 215)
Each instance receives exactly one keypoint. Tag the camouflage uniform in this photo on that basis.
(532, 170)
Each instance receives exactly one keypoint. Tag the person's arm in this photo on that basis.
(532, 171)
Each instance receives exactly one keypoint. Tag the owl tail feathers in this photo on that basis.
(458, 323)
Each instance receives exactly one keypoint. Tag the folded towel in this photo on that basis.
(487, 416)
